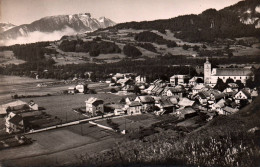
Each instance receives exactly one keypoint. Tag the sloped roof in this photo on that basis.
(166, 102)
(173, 100)
(198, 87)
(233, 72)
(150, 87)
(221, 103)
(188, 110)
(230, 110)
(233, 85)
(135, 103)
(246, 93)
(3, 107)
(204, 94)
(16, 119)
(146, 99)
(176, 90)
(159, 91)
(92, 100)
(186, 102)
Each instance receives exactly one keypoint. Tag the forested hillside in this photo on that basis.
(207, 26)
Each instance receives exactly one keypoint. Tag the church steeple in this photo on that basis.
(207, 71)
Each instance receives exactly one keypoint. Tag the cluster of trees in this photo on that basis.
(94, 47)
(148, 36)
(221, 85)
(147, 46)
(131, 51)
(30, 52)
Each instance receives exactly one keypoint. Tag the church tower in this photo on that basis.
(207, 71)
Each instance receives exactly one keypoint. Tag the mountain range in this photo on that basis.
(5, 26)
(238, 20)
(80, 23)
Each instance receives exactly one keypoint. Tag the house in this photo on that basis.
(128, 89)
(134, 108)
(244, 95)
(216, 95)
(157, 91)
(71, 90)
(116, 109)
(186, 113)
(93, 105)
(198, 88)
(185, 102)
(14, 123)
(81, 87)
(177, 91)
(159, 83)
(33, 105)
(233, 86)
(15, 105)
(146, 101)
(218, 107)
(149, 89)
(193, 80)
(108, 80)
(165, 105)
(124, 81)
(128, 100)
(178, 79)
(140, 79)
(203, 97)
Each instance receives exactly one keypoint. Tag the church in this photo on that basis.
(211, 75)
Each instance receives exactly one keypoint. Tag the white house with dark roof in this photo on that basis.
(243, 94)
(93, 105)
(211, 75)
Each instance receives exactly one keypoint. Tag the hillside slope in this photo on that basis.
(208, 25)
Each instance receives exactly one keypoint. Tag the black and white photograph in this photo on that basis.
(129, 83)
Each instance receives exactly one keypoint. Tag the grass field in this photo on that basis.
(60, 146)
(132, 123)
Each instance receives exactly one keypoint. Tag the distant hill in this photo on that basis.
(79, 22)
(211, 24)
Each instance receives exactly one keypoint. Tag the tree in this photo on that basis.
(199, 80)
(230, 80)
(137, 90)
(131, 51)
(240, 84)
(196, 48)
(220, 85)
(113, 90)
(204, 46)
(250, 83)
(185, 47)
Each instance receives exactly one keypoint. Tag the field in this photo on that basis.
(132, 123)
(62, 105)
(7, 57)
(60, 146)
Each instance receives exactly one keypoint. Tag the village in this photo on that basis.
(221, 91)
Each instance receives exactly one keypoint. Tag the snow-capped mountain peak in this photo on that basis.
(82, 22)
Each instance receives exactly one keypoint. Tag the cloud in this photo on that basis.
(37, 36)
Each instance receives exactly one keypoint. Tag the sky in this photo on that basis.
(26, 11)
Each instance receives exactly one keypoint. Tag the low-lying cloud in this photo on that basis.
(37, 36)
